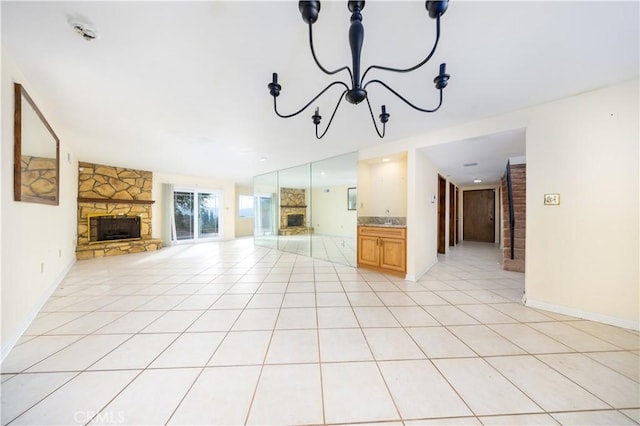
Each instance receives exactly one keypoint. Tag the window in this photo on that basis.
(245, 205)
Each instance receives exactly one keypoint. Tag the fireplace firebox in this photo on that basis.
(113, 227)
(295, 220)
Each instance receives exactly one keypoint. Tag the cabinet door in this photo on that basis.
(392, 254)
(368, 251)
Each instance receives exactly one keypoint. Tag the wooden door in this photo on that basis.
(478, 215)
(368, 251)
(457, 216)
(392, 254)
(442, 206)
(452, 214)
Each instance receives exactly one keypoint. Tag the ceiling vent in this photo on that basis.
(86, 32)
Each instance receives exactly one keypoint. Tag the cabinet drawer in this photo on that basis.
(383, 232)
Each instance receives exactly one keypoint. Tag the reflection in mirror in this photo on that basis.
(294, 231)
(36, 153)
(304, 210)
(265, 192)
(335, 225)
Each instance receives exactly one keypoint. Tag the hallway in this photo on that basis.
(232, 333)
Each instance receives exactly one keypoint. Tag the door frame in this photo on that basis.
(496, 211)
(442, 214)
(453, 215)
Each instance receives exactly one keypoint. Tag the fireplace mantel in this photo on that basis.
(113, 201)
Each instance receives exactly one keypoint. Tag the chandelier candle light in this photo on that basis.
(358, 90)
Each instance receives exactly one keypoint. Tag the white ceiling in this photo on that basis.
(481, 158)
(181, 87)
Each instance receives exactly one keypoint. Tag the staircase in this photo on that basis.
(514, 194)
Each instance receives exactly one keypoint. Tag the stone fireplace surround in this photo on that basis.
(292, 202)
(107, 190)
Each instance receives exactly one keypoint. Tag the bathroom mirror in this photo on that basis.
(36, 167)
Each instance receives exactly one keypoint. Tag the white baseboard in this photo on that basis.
(11, 341)
(419, 275)
(591, 316)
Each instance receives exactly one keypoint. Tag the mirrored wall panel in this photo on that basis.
(335, 218)
(310, 209)
(294, 231)
(265, 192)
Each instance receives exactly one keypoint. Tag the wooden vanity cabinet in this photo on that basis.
(383, 249)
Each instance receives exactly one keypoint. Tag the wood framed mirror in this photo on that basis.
(36, 164)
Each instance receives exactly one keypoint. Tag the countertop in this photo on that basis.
(382, 225)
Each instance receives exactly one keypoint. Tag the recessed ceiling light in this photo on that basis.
(322, 173)
(470, 164)
(386, 160)
(263, 159)
(477, 181)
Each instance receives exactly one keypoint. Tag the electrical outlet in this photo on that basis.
(41, 268)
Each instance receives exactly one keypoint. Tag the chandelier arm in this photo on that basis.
(315, 58)
(331, 119)
(384, 125)
(415, 67)
(405, 100)
(275, 108)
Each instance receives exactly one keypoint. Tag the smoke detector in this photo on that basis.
(86, 32)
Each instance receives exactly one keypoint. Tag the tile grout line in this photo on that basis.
(266, 353)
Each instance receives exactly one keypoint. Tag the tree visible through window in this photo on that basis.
(245, 206)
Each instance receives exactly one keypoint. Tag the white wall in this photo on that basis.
(382, 186)
(364, 189)
(582, 256)
(244, 225)
(38, 241)
(422, 219)
(229, 199)
(329, 212)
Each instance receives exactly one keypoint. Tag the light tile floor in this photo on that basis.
(231, 333)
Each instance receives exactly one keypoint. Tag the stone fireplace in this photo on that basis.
(293, 212)
(114, 211)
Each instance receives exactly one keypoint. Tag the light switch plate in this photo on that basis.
(551, 199)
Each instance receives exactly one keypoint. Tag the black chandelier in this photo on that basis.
(358, 90)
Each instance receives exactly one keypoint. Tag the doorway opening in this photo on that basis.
(442, 208)
(453, 215)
